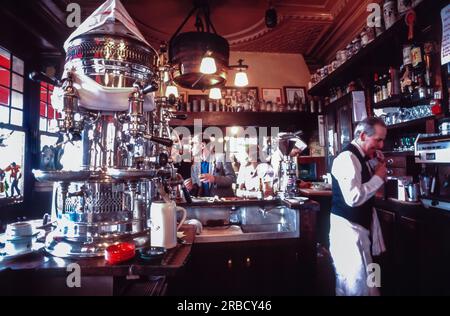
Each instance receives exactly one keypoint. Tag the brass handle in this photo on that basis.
(390, 161)
(230, 263)
(248, 262)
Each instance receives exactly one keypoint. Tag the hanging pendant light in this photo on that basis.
(241, 79)
(208, 65)
(215, 94)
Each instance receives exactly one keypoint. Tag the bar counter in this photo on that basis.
(49, 274)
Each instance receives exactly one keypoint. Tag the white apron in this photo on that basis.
(350, 248)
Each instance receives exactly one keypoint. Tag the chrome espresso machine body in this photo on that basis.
(107, 198)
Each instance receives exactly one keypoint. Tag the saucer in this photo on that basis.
(35, 246)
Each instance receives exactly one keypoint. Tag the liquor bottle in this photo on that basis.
(384, 90)
(376, 89)
(389, 85)
(428, 48)
(417, 63)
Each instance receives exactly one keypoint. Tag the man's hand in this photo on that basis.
(206, 177)
(381, 170)
(188, 184)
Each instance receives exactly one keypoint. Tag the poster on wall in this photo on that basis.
(445, 47)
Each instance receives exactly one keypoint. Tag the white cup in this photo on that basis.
(444, 128)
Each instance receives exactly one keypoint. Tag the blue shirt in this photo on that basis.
(204, 168)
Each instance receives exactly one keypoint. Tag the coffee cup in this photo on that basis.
(444, 128)
(18, 238)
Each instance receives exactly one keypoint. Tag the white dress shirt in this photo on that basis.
(347, 171)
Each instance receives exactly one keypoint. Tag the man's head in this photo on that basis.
(298, 148)
(13, 164)
(370, 134)
(200, 145)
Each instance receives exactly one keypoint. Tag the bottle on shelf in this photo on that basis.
(376, 89)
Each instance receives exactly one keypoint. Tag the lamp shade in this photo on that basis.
(208, 65)
(215, 94)
(241, 79)
(171, 89)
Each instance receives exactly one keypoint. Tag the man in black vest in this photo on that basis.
(357, 172)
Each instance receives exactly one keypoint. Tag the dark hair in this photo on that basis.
(368, 126)
(204, 138)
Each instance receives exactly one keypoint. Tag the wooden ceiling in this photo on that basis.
(314, 28)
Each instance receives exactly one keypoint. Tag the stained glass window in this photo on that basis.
(11, 88)
(47, 114)
(12, 151)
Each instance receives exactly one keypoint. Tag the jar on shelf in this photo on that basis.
(389, 13)
(356, 43)
(349, 50)
(341, 56)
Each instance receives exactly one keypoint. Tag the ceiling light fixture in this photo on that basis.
(201, 58)
(240, 79)
(215, 94)
(208, 65)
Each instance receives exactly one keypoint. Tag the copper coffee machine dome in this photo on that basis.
(186, 51)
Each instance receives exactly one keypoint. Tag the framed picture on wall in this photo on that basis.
(294, 95)
(271, 94)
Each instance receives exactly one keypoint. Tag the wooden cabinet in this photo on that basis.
(418, 254)
(243, 268)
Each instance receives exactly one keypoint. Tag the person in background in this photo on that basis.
(277, 158)
(14, 177)
(357, 173)
(211, 175)
(255, 174)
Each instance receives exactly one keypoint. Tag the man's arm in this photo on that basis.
(228, 178)
(347, 171)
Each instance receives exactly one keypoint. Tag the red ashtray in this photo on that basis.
(120, 252)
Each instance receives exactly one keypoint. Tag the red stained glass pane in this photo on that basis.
(42, 110)
(43, 95)
(5, 58)
(50, 112)
(4, 77)
(50, 87)
(44, 85)
(4, 96)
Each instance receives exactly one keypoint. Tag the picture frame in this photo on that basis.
(290, 93)
(239, 98)
(271, 95)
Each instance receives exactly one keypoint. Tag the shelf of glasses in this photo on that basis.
(411, 122)
(401, 101)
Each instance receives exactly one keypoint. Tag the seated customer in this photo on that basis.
(211, 175)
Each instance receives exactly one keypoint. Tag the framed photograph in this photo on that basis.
(295, 94)
(271, 95)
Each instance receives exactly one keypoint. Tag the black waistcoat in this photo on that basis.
(362, 214)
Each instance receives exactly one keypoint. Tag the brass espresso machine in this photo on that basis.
(110, 110)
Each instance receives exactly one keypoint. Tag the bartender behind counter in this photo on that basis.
(277, 157)
(211, 175)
